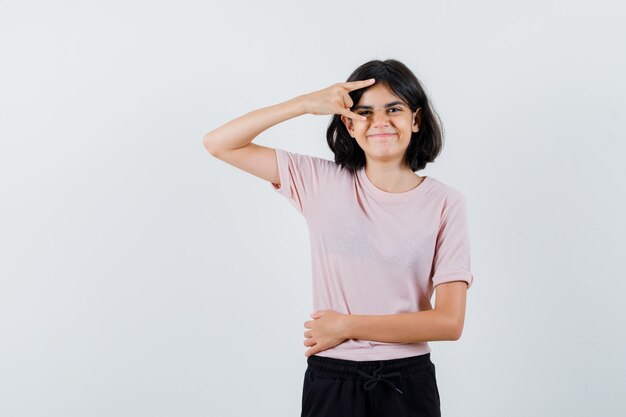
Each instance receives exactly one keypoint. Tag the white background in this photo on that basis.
(142, 277)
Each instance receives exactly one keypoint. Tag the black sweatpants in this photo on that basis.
(405, 387)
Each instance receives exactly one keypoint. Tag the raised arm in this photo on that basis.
(231, 142)
(241, 131)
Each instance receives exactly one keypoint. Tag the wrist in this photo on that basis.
(300, 103)
(348, 320)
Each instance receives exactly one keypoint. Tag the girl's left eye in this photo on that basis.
(366, 112)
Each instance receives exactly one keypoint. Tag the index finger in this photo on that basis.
(355, 85)
(351, 115)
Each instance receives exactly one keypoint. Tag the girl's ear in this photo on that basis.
(348, 122)
(417, 120)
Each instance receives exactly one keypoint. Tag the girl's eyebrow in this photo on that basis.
(394, 103)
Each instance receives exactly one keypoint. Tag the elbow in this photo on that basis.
(456, 331)
(453, 327)
(457, 335)
(207, 142)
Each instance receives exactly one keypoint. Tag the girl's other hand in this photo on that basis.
(327, 329)
(335, 99)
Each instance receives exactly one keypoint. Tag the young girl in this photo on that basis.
(383, 239)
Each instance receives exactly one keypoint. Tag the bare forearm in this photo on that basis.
(239, 132)
(421, 326)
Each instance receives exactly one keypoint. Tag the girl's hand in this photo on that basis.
(335, 99)
(327, 330)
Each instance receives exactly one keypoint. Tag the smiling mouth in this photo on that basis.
(381, 135)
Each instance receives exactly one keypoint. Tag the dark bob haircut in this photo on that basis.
(425, 145)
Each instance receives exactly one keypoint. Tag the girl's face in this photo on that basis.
(386, 133)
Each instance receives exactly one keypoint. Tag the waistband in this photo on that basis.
(371, 372)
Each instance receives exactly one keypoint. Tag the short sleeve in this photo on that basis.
(301, 177)
(452, 251)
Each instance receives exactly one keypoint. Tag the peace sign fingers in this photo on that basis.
(335, 99)
(351, 115)
(355, 85)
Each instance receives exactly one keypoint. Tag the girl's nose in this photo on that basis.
(380, 118)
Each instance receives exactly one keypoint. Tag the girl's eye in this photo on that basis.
(366, 112)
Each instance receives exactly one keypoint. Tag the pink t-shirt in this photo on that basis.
(375, 252)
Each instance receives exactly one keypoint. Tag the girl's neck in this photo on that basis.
(392, 179)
